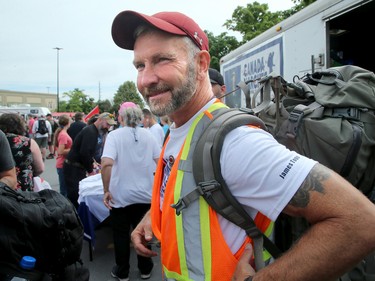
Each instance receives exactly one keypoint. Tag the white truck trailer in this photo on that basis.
(25, 111)
(324, 34)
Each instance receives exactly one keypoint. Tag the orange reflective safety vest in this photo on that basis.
(192, 244)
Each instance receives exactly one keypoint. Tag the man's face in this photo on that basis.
(166, 76)
(216, 88)
(146, 121)
(103, 126)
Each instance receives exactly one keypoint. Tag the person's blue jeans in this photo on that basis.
(63, 191)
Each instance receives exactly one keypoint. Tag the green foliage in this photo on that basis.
(63, 105)
(105, 106)
(127, 92)
(303, 3)
(252, 20)
(78, 101)
(220, 46)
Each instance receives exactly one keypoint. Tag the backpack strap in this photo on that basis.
(17, 195)
(211, 185)
(207, 172)
(265, 90)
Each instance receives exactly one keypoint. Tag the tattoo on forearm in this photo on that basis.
(313, 182)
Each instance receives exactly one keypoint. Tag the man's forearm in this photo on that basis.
(106, 174)
(328, 242)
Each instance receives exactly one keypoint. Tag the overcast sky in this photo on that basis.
(89, 59)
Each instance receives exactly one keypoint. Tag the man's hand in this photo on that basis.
(107, 199)
(142, 235)
(244, 270)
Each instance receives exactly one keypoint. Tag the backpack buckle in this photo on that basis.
(295, 116)
(206, 188)
(294, 119)
(348, 113)
(179, 206)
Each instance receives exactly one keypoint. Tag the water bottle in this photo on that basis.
(26, 263)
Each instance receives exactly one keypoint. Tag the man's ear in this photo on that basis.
(203, 64)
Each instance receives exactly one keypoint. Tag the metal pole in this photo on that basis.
(58, 101)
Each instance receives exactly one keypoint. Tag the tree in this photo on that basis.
(303, 3)
(255, 18)
(78, 101)
(63, 106)
(127, 92)
(252, 20)
(220, 46)
(105, 106)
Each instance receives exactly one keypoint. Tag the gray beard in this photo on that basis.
(179, 97)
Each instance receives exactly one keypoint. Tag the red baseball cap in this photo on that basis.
(126, 22)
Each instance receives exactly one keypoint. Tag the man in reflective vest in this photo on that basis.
(172, 59)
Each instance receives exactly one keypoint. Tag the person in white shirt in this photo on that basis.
(128, 163)
(42, 139)
(149, 121)
(171, 57)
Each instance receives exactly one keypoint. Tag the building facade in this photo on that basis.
(12, 98)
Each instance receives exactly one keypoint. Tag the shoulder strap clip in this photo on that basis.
(204, 189)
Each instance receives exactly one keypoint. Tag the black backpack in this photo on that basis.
(42, 127)
(41, 224)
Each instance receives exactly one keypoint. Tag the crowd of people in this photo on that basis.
(31, 148)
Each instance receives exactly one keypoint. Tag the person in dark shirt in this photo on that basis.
(8, 175)
(54, 126)
(217, 83)
(76, 126)
(86, 150)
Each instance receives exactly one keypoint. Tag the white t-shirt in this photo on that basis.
(262, 174)
(36, 127)
(134, 151)
(158, 132)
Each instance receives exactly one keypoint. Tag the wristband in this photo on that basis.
(250, 278)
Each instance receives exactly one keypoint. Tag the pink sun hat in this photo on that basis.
(125, 105)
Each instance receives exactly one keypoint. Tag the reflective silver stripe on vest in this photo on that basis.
(191, 216)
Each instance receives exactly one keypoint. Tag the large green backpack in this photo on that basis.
(328, 116)
(213, 188)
